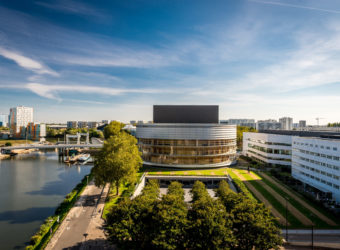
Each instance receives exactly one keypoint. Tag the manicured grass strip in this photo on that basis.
(294, 222)
(318, 222)
(316, 206)
(241, 186)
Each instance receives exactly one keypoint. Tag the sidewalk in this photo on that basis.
(83, 225)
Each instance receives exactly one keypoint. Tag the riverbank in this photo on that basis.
(35, 185)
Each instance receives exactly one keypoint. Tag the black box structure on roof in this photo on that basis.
(185, 114)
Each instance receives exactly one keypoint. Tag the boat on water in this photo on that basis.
(84, 158)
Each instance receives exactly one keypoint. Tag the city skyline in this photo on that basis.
(72, 60)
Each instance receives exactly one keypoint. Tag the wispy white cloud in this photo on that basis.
(26, 62)
(52, 91)
(71, 6)
(296, 6)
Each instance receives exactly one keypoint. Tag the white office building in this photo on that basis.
(314, 157)
(286, 123)
(72, 124)
(302, 124)
(268, 148)
(269, 124)
(316, 162)
(19, 117)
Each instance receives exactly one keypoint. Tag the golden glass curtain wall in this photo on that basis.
(187, 145)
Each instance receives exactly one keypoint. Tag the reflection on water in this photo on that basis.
(31, 187)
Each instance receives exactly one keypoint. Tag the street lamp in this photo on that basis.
(311, 217)
(286, 198)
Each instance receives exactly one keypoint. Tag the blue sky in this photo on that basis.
(94, 60)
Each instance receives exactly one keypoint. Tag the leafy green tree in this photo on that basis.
(240, 130)
(113, 129)
(8, 144)
(228, 197)
(209, 223)
(170, 219)
(130, 224)
(118, 160)
(96, 133)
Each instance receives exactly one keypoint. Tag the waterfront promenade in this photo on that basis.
(83, 226)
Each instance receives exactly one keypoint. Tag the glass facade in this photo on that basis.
(188, 152)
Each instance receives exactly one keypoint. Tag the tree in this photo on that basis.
(113, 129)
(253, 224)
(209, 223)
(130, 224)
(240, 130)
(8, 144)
(117, 161)
(170, 219)
(96, 133)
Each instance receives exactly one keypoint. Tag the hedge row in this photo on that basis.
(51, 224)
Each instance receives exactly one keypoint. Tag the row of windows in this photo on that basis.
(330, 166)
(269, 143)
(336, 186)
(269, 158)
(187, 151)
(194, 143)
(316, 146)
(335, 158)
(318, 171)
(270, 150)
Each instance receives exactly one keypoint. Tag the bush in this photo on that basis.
(8, 144)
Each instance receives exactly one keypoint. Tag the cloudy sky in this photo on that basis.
(94, 60)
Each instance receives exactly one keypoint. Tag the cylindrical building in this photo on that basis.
(187, 145)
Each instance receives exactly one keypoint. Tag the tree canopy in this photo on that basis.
(117, 161)
(112, 129)
(232, 221)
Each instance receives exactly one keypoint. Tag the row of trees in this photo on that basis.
(232, 221)
(60, 133)
(335, 124)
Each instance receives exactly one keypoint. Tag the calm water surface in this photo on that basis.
(31, 187)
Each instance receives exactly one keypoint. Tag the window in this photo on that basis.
(328, 148)
(335, 149)
(322, 147)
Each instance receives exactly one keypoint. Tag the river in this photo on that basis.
(31, 187)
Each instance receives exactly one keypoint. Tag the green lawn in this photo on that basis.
(294, 222)
(167, 171)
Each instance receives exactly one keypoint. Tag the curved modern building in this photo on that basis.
(187, 142)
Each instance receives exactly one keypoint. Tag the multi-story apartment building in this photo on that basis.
(286, 123)
(3, 120)
(268, 148)
(92, 124)
(267, 124)
(314, 157)
(302, 124)
(19, 117)
(72, 124)
(82, 124)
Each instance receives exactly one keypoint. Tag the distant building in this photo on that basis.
(33, 131)
(240, 122)
(92, 124)
(82, 124)
(131, 129)
(72, 124)
(19, 117)
(268, 124)
(302, 124)
(4, 120)
(132, 122)
(286, 123)
(57, 126)
(295, 125)
(106, 121)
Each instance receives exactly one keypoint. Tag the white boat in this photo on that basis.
(84, 157)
